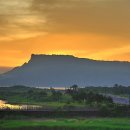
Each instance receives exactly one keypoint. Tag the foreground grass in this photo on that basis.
(68, 124)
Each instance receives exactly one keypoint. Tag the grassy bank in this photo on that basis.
(51, 98)
(68, 124)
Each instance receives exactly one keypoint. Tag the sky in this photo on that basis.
(95, 29)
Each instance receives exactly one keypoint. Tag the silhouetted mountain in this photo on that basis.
(65, 70)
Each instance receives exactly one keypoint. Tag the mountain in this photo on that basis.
(66, 70)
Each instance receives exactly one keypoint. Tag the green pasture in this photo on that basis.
(68, 124)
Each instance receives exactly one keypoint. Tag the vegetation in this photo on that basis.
(74, 98)
(68, 124)
(115, 90)
(81, 95)
(51, 97)
(68, 100)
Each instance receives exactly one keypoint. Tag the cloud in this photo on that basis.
(109, 17)
(98, 29)
(17, 21)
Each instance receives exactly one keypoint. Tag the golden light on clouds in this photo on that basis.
(97, 29)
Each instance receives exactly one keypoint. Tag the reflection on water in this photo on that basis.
(56, 88)
(5, 105)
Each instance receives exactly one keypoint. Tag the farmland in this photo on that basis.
(68, 124)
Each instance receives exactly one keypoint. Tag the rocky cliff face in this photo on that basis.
(66, 70)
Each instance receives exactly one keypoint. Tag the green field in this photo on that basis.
(51, 98)
(67, 124)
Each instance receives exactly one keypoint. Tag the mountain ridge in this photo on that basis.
(66, 70)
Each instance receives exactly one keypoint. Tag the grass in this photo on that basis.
(68, 124)
(60, 104)
(50, 104)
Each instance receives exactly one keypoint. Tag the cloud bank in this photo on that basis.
(28, 18)
(98, 29)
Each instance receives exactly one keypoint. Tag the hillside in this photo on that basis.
(66, 70)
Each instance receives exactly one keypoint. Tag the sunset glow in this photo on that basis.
(95, 29)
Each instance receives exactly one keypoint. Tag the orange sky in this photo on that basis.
(96, 29)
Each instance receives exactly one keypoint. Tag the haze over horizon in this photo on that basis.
(95, 29)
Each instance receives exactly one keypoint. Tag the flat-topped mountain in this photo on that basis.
(66, 70)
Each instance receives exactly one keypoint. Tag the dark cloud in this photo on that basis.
(33, 17)
(17, 20)
(97, 16)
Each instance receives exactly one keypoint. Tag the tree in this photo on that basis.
(74, 88)
(57, 95)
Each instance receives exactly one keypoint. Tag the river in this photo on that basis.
(6, 105)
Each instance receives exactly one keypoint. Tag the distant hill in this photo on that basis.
(18, 88)
(66, 70)
(4, 69)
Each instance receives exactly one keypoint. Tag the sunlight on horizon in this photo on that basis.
(94, 29)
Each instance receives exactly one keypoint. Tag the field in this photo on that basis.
(51, 98)
(89, 109)
(35, 97)
(67, 124)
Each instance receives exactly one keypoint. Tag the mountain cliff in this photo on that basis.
(66, 70)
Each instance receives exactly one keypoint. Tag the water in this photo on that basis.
(56, 88)
(119, 100)
(5, 105)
